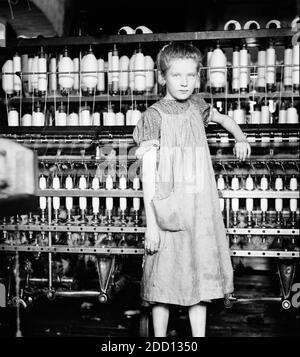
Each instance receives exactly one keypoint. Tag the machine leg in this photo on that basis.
(2, 295)
(286, 271)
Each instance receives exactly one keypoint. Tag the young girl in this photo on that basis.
(191, 266)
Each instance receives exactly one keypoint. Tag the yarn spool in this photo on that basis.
(65, 73)
(89, 78)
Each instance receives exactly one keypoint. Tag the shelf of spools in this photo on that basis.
(127, 130)
(142, 97)
(280, 34)
(262, 93)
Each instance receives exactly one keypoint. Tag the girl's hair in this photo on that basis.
(175, 51)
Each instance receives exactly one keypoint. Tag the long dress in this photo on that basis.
(192, 265)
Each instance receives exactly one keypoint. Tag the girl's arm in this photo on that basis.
(242, 148)
(148, 174)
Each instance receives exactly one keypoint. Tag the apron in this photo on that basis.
(192, 265)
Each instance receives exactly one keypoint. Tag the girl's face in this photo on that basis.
(180, 78)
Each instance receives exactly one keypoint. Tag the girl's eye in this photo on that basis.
(192, 75)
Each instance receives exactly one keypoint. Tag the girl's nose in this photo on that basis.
(183, 81)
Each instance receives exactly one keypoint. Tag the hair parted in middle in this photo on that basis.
(177, 50)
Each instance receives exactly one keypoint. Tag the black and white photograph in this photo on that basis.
(149, 173)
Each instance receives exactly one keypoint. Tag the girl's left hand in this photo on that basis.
(242, 149)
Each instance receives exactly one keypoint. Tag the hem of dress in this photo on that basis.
(204, 299)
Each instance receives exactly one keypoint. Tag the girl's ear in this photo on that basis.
(161, 79)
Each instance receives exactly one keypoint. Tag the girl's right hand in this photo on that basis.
(151, 240)
(145, 146)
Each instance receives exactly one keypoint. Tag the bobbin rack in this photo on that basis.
(90, 209)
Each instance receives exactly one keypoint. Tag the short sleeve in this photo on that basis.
(205, 109)
(148, 127)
